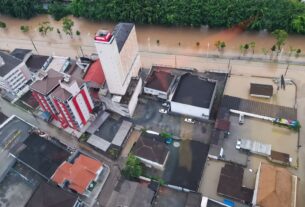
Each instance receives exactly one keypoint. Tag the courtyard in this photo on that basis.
(239, 86)
(148, 116)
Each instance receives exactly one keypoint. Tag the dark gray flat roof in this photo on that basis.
(48, 195)
(35, 62)
(195, 91)
(121, 32)
(10, 62)
(20, 53)
(3, 117)
(42, 155)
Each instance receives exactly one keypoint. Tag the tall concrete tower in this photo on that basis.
(119, 55)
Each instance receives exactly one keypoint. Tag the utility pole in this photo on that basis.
(34, 46)
(286, 69)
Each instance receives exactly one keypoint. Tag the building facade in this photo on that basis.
(119, 55)
(194, 103)
(14, 74)
(66, 99)
(118, 52)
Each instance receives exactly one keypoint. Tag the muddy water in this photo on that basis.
(184, 40)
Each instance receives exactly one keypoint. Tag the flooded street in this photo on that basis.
(180, 48)
(179, 40)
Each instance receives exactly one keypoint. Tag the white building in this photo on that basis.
(66, 98)
(14, 74)
(193, 96)
(119, 56)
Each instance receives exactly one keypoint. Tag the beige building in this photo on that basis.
(274, 186)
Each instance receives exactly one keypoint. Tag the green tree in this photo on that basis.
(67, 25)
(298, 52)
(220, 45)
(44, 28)
(133, 167)
(58, 10)
(77, 33)
(24, 9)
(252, 46)
(298, 24)
(24, 28)
(2, 25)
(281, 37)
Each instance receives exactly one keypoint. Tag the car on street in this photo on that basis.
(163, 111)
(238, 144)
(189, 120)
(241, 119)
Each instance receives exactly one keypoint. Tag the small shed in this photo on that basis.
(261, 90)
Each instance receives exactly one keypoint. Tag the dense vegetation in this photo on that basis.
(24, 9)
(255, 14)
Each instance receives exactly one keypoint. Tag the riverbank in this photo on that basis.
(177, 40)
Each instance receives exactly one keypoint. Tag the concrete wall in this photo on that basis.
(188, 110)
(160, 94)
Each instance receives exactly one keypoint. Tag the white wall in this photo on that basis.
(151, 163)
(75, 113)
(130, 54)
(15, 79)
(188, 110)
(112, 67)
(160, 94)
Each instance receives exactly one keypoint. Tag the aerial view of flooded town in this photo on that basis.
(144, 103)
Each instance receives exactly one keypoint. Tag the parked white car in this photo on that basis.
(241, 119)
(163, 111)
(238, 144)
(189, 120)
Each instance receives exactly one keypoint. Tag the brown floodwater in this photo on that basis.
(183, 40)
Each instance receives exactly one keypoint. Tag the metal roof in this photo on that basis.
(195, 91)
(10, 62)
(121, 32)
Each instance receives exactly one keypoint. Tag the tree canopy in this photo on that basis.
(24, 9)
(256, 15)
(133, 167)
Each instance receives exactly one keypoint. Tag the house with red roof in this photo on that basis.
(159, 82)
(79, 176)
(95, 77)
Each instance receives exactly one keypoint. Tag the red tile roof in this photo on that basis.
(95, 73)
(159, 80)
(222, 124)
(79, 174)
